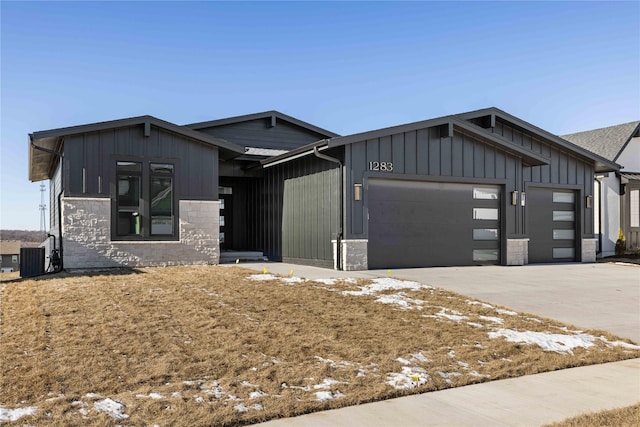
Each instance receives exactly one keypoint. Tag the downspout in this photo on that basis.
(61, 156)
(341, 214)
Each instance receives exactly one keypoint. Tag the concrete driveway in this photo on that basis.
(589, 296)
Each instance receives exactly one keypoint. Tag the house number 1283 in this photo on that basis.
(381, 166)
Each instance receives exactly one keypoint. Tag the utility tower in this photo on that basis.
(43, 217)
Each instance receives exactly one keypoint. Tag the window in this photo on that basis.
(634, 208)
(486, 193)
(560, 197)
(485, 234)
(14, 259)
(563, 234)
(145, 202)
(485, 213)
(563, 215)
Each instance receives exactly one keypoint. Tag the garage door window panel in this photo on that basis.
(561, 216)
(489, 214)
(563, 197)
(485, 234)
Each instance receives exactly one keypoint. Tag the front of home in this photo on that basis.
(10, 255)
(482, 187)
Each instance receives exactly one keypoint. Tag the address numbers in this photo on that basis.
(381, 166)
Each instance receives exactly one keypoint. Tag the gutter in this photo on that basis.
(341, 204)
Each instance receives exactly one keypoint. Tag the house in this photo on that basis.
(616, 195)
(10, 255)
(482, 187)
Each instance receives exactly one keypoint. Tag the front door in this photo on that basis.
(551, 215)
(226, 215)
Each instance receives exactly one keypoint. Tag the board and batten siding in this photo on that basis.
(426, 154)
(564, 169)
(259, 133)
(294, 211)
(90, 161)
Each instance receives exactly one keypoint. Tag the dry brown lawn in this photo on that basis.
(621, 417)
(210, 346)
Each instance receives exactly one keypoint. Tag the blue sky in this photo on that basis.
(346, 67)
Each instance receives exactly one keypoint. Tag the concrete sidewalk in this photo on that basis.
(532, 400)
(590, 296)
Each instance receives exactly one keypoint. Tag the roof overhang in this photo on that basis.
(273, 116)
(45, 147)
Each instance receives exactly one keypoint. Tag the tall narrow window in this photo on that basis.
(162, 215)
(129, 177)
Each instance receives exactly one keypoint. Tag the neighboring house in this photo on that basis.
(617, 195)
(482, 187)
(10, 255)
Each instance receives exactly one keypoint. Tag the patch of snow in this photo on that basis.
(292, 279)
(350, 280)
(463, 364)
(481, 304)
(507, 312)
(456, 316)
(176, 394)
(421, 358)
(452, 354)
(261, 277)
(403, 361)
(257, 394)
(150, 395)
(475, 325)
(327, 281)
(400, 299)
(410, 377)
(548, 342)
(199, 399)
(16, 414)
(620, 344)
(534, 319)
(113, 408)
(387, 284)
(478, 375)
(248, 384)
(93, 395)
(322, 396)
(326, 383)
(492, 319)
(242, 408)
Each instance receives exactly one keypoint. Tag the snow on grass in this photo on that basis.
(456, 316)
(242, 408)
(263, 277)
(620, 344)
(113, 408)
(387, 284)
(322, 396)
(401, 300)
(481, 304)
(16, 414)
(292, 279)
(326, 281)
(492, 319)
(410, 377)
(559, 343)
(326, 383)
(507, 312)
(257, 394)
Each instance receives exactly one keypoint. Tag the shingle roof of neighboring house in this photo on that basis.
(607, 142)
(10, 247)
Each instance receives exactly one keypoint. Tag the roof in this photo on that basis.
(608, 142)
(10, 247)
(273, 115)
(602, 164)
(625, 177)
(42, 161)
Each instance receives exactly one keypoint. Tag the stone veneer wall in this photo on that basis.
(517, 251)
(354, 254)
(589, 250)
(87, 237)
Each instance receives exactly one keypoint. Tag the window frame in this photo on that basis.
(145, 199)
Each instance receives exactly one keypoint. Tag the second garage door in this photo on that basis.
(426, 224)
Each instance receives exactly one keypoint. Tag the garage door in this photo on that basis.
(419, 224)
(551, 225)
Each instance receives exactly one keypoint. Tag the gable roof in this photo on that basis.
(608, 142)
(45, 146)
(602, 164)
(10, 247)
(273, 115)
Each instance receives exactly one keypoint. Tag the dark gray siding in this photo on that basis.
(259, 133)
(426, 154)
(294, 211)
(90, 160)
(563, 171)
(55, 187)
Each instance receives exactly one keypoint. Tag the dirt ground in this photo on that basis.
(224, 346)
